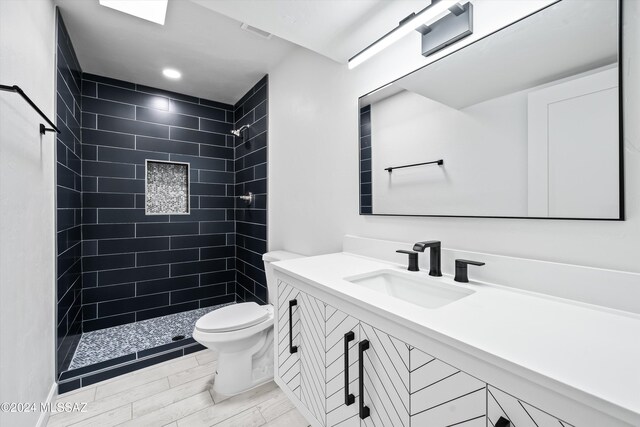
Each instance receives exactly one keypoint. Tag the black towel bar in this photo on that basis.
(438, 162)
(20, 92)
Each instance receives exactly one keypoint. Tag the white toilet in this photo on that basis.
(242, 335)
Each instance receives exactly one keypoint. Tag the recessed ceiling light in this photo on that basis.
(170, 73)
(151, 10)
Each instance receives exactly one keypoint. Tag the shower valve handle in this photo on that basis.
(247, 198)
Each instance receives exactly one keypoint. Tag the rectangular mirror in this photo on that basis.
(523, 123)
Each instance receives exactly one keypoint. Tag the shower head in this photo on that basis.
(239, 132)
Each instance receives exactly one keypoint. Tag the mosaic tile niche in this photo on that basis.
(167, 189)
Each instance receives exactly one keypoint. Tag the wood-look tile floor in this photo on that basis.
(176, 393)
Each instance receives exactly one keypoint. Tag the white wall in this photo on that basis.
(313, 167)
(501, 156)
(473, 142)
(27, 228)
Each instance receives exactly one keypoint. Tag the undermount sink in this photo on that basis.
(421, 290)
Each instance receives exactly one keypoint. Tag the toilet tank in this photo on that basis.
(270, 257)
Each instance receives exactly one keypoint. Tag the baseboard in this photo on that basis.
(43, 419)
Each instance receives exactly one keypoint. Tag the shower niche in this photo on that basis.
(166, 188)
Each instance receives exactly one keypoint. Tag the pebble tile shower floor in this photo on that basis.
(105, 344)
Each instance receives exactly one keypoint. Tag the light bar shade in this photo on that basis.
(427, 16)
(150, 10)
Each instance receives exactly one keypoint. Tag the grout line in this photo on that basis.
(153, 152)
(155, 94)
(136, 119)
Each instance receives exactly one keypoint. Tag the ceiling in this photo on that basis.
(337, 29)
(218, 60)
(203, 39)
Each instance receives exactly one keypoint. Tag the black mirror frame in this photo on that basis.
(364, 139)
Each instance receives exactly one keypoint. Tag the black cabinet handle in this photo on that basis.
(348, 397)
(362, 347)
(292, 348)
(503, 422)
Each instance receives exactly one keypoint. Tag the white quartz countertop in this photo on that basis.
(587, 348)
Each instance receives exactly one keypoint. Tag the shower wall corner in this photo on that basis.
(250, 154)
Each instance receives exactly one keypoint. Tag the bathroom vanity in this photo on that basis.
(363, 341)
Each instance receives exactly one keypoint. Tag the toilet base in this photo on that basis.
(256, 384)
(240, 371)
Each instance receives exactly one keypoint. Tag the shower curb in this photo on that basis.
(91, 374)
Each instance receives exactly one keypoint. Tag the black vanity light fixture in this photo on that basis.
(442, 23)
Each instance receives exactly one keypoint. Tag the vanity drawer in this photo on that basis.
(442, 395)
(521, 414)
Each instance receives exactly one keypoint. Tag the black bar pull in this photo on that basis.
(362, 347)
(435, 162)
(292, 348)
(349, 398)
(503, 422)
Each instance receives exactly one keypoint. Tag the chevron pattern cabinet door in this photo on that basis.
(337, 324)
(312, 353)
(521, 414)
(288, 364)
(442, 395)
(386, 379)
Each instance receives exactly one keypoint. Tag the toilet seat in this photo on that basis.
(235, 335)
(234, 318)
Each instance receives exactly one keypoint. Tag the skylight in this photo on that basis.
(150, 10)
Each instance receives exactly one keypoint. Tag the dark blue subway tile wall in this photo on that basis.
(251, 176)
(366, 204)
(69, 198)
(116, 265)
(144, 266)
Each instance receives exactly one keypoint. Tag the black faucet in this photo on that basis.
(434, 255)
(461, 269)
(413, 259)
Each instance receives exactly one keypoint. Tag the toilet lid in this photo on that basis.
(233, 317)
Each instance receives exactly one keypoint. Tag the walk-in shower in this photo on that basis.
(151, 233)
